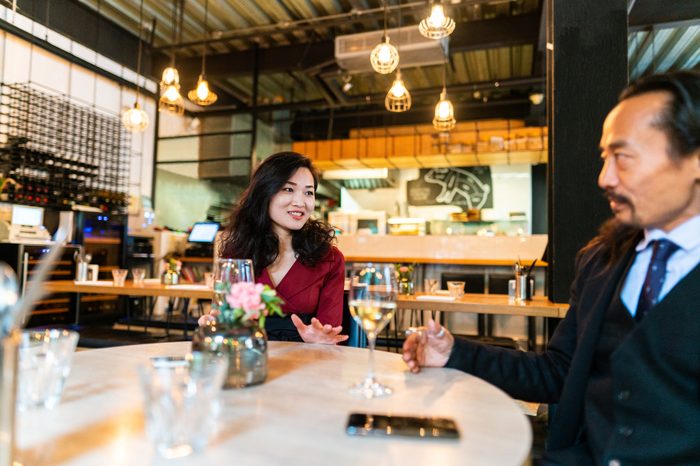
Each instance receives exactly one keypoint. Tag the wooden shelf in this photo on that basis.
(102, 241)
(196, 260)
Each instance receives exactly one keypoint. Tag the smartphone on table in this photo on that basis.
(384, 425)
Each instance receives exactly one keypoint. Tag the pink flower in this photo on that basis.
(403, 269)
(246, 296)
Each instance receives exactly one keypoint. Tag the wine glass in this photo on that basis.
(372, 304)
(226, 273)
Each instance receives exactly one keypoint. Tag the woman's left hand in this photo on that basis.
(316, 332)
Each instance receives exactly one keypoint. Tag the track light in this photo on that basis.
(347, 83)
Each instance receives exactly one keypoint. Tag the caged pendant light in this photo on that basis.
(170, 98)
(436, 25)
(444, 119)
(384, 57)
(202, 94)
(398, 99)
(135, 119)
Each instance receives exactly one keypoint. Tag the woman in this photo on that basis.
(291, 252)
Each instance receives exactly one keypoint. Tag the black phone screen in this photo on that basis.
(364, 424)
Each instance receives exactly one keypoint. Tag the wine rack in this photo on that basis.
(61, 154)
(58, 308)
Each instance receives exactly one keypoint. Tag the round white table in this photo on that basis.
(297, 417)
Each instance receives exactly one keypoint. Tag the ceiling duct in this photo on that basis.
(352, 51)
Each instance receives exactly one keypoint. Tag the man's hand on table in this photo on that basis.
(316, 332)
(431, 347)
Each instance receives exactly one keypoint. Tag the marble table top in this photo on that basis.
(297, 417)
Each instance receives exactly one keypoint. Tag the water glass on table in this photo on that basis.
(44, 364)
(138, 274)
(456, 289)
(182, 401)
(119, 276)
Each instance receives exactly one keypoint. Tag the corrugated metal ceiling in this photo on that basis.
(238, 25)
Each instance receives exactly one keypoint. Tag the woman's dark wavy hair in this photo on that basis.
(249, 231)
(680, 121)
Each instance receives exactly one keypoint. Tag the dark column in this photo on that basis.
(586, 70)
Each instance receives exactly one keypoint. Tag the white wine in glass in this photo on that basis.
(372, 304)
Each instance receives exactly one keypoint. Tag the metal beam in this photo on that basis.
(645, 13)
(378, 99)
(315, 126)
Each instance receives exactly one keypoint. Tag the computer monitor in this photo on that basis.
(27, 216)
(203, 232)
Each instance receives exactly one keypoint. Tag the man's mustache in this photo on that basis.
(617, 198)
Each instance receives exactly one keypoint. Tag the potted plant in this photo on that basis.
(239, 331)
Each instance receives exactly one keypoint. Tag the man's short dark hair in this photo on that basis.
(681, 119)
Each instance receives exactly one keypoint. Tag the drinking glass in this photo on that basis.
(226, 273)
(44, 364)
(119, 276)
(181, 401)
(456, 289)
(139, 274)
(430, 285)
(372, 304)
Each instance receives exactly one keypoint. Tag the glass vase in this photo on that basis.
(406, 287)
(170, 278)
(245, 347)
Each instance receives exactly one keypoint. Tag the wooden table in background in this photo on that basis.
(147, 289)
(129, 289)
(496, 304)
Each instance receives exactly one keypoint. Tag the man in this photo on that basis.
(624, 365)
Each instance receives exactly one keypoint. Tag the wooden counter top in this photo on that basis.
(424, 260)
(488, 304)
(129, 289)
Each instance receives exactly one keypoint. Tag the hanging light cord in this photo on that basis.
(174, 34)
(444, 76)
(138, 59)
(204, 37)
(385, 18)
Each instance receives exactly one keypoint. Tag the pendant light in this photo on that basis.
(202, 95)
(135, 119)
(437, 25)
(170, 98)
(384, 57)
(444, 110)
(398, 99)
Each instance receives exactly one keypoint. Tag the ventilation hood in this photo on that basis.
(362, 178)
(352, 50)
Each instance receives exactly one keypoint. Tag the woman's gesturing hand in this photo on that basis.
(316, 332)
